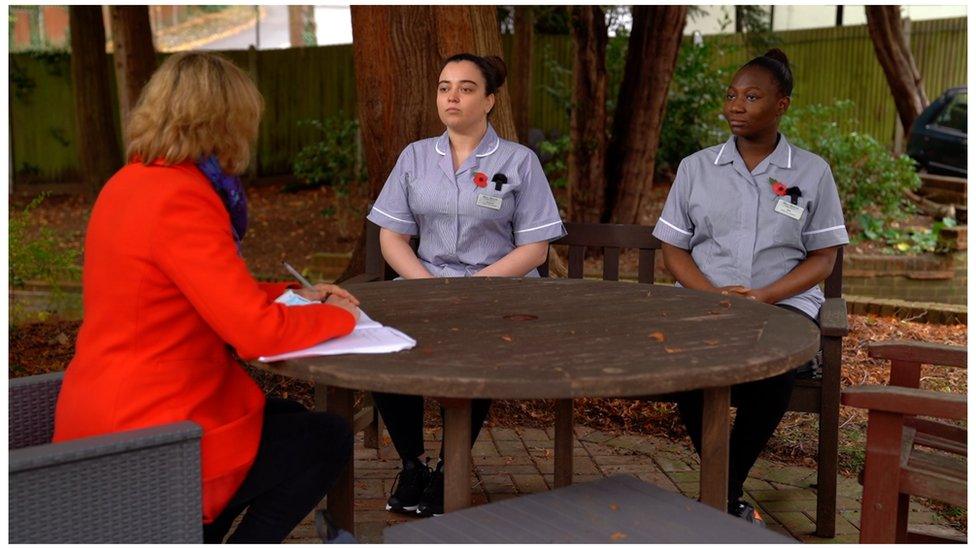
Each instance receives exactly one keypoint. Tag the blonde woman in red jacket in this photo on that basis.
(168, 301)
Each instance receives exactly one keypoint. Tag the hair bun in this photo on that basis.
(501, 69)
(778, 55)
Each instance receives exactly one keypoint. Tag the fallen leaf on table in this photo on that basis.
(614, 507)
(656, 336)
(507, 338)
(617, 536)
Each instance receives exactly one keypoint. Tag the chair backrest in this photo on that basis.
(611, 238)
(31, 409)
(835, 281)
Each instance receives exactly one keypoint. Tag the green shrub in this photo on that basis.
(870, 180)
(331, 160)
(692, 116)
(38, 255)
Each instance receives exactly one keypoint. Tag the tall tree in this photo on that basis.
(652, 53)
(521, 77)
(134, 54)
(397, 55)
(98, 146)
(896, 59)
(301, 26)
(588, 118)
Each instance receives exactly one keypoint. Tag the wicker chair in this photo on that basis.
(139, 486)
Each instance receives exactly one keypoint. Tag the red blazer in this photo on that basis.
(165, 292)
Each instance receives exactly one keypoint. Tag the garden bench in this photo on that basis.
(139, 486)
(620, 508)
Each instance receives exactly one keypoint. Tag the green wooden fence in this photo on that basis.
(306, 83)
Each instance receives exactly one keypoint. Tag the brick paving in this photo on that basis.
(511, 462)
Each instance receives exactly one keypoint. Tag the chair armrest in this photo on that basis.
(906, 400)
(833, 317)
(919, 352)
(361, 278)
(139, 486)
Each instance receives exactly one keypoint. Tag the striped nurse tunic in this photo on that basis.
(468, 219)
(733, 223)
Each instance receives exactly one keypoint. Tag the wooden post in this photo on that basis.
(563, 467)
(714, 479)
(457, 454)
(879, 503)
(341, 499)
(829, 419)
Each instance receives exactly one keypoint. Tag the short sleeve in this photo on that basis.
(536, 213)
(392, 208)
(674, 226)
(825, 226)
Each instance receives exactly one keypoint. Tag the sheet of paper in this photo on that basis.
(369, 337)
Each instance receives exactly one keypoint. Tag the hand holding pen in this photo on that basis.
(329, 293)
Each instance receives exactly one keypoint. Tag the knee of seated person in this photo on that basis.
(333, 433)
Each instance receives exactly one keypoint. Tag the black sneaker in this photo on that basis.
(746, 512)
(432, 500)
(408, 486)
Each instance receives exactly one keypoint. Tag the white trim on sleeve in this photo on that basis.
(392, 217)
(539, 227)
(825, 230)
(682, 231)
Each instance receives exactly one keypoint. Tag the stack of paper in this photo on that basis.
(368, 337)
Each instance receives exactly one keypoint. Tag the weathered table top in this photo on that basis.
(523, 338)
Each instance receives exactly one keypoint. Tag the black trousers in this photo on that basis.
(404, 418)
(300, 455)
(760, 405)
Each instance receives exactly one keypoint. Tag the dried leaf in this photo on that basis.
(507, 338)
(614, 507)
(617, 536)
(656, 336)
(670, 350)
(725, 303)
(712, 342)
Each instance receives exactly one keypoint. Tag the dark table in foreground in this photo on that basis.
(619, 509)
(523, 338)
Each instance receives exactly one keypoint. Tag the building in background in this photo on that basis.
(710, 19)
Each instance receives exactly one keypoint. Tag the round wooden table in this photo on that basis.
(525, 338)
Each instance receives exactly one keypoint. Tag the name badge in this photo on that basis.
(493, 202)
(789, 210)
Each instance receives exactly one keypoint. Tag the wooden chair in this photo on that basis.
(819, 396)
(900, 460)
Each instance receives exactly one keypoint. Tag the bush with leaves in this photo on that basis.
(331, 160)
(692, 119)
(38, 254)
(870, 180)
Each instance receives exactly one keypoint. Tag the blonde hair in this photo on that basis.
(196, 105)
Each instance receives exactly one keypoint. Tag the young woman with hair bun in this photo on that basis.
(760, 218)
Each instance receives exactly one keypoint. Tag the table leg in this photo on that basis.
(457, 454)
(341, 498)
(563, 444)
(715, 448)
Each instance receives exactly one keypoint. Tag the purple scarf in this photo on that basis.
(231, 192)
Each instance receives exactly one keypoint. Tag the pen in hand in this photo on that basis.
(298, 276)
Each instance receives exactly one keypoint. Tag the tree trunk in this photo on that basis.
(521, 75)
(98, 145)
(896, 59)
(300, 18)
(397, 54)
(134, 55)
(588, 119)
(652, 53)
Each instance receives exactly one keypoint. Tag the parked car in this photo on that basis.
(937, 140)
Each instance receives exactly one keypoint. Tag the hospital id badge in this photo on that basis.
(486, 201)
(789, 210)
